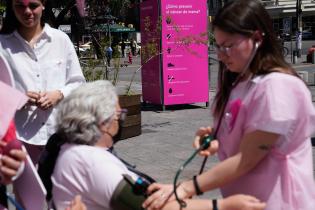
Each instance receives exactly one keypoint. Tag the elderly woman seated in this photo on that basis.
(78, 156)
(78, 159)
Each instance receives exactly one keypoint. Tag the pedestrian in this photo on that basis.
(129, 57)
(133, 46)
(123, 47)
(45, 67)
(109, 54)
(264, 117)
(85, 135)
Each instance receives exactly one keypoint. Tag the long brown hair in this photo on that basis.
(11, 23)
(244, 17)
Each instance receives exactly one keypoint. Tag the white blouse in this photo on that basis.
(51, 64)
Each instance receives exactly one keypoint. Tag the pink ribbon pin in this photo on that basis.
(234, 109)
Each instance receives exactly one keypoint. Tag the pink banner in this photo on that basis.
(150, 45)
(185, 51)
(174, 52)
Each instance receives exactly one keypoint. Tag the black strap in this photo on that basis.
(131, 167)
(3, 196)
(196, 185)
(214, 204)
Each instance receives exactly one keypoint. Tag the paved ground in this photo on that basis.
(166, 139)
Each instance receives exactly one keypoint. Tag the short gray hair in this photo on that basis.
(81, 112)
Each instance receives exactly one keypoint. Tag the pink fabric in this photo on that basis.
(11, 132)
(89, 171)
(234, 109)
(277, 103)
(11, 100)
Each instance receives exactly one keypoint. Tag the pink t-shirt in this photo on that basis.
(277, 103)
(89, 171)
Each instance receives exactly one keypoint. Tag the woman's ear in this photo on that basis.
(103, 127)
(258, 37)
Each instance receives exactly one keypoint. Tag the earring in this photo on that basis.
(43, 8)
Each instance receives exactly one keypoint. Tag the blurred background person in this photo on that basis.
(109, 54)
(123, 47)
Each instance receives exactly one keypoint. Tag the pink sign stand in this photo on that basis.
(177, 72)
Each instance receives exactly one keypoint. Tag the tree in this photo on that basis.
(59, 12)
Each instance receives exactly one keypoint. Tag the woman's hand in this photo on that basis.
(200, 134)
(33, 97)
(49, 99)
(241, 202)
(76, 204)
(9, 165)
(160, 194)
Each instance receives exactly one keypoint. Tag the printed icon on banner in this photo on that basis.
(169, 50)
(170, 90)
(168, 36)
(170, 65)
(170, 78)
(168, 20)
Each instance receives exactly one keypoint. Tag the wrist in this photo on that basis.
(60, 97)
(220, 204)
(188, 188)
(196, 186)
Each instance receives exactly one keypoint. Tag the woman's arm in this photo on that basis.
(235, 202)
(74, 75)
(254, 147)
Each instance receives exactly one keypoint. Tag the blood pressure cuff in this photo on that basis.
(125, 197)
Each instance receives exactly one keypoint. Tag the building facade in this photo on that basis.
(283, 13)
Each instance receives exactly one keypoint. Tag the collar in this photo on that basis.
(45, 34)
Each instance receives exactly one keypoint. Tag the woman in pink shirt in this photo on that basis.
(264, 117)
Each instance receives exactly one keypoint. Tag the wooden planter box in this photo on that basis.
(132, 124)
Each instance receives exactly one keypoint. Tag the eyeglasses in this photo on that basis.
(31, 6)
(122, 114)
(227, 50)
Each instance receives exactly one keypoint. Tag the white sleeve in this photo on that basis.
(104, 178)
